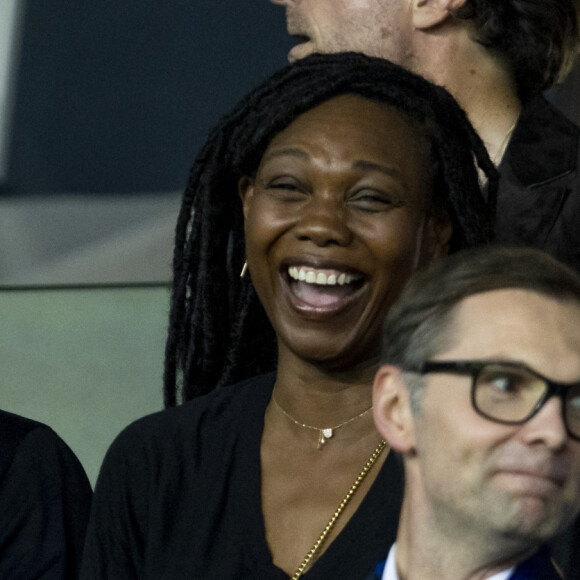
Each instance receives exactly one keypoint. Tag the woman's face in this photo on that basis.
(336, 220)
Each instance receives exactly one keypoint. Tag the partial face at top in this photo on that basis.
(515, 481)
(336, 219)
(375, 27)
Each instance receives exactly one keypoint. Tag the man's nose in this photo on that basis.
(548, 425)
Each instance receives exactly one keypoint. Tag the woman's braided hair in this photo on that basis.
(218, 331)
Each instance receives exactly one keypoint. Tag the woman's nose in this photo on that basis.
(324, 221)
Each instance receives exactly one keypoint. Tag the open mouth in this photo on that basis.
(323, 288)
(300, 38)
(303, 46)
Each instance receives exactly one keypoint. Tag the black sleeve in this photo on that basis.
(44, 507)
(114, 542)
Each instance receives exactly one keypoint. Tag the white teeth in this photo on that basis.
(320, 278)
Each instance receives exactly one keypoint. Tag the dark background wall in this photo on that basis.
(118, 95)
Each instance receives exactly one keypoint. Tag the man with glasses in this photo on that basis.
(479, 391)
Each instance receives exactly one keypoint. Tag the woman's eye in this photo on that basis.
(285, 189)
(371, 201)
(283, 185)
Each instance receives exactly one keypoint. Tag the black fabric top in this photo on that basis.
(539, 191)
(44, 502)
(178, 496)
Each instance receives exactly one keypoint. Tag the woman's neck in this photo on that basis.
(316, 395)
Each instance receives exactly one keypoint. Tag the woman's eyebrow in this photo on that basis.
(293, 151)
(371, 166)
(360, 164)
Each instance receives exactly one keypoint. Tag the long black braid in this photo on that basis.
(218, 331)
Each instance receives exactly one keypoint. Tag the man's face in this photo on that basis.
(515, 481)
(375, 27)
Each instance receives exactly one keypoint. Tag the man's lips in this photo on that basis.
(298, 37)
(527, 480)
(301, 50)
(303, 44)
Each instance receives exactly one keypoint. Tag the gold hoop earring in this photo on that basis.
(244, 269)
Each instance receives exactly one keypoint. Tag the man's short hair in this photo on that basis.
(420, 324)
(538, 40)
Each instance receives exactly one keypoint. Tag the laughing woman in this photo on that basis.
(335, 180)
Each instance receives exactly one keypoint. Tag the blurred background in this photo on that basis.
(103, 107)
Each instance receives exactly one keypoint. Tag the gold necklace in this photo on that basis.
(323, 433)
(312, 552)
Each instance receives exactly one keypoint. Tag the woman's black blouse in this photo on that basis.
(178, 496)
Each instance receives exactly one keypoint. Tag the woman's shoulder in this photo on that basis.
(207, 417)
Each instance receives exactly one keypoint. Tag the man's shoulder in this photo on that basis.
(14, 429)
(223, 400)
(377, 572)
(540, 110)
(540, 566)
(545, 144)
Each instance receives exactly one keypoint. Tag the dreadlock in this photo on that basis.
(218, 331)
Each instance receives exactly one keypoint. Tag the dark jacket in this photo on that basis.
(538, 567)
(44, 502)
(539, 192)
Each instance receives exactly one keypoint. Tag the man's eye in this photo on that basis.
(574, 403)
(503, 383)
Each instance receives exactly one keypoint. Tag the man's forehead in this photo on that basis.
(517, 303)
(517, 324)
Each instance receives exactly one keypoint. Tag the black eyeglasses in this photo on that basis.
(512, 393)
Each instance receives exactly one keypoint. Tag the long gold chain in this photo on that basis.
(324, 433)
(312, 552)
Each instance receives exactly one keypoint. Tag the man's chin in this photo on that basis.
(534, 520)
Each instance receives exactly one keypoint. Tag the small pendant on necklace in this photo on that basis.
(324, 434)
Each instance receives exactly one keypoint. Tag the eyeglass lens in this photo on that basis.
(509, 394)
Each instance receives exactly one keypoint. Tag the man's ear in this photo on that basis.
(392, 410)
(436, 237)
(246, 192)
(430, 13)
